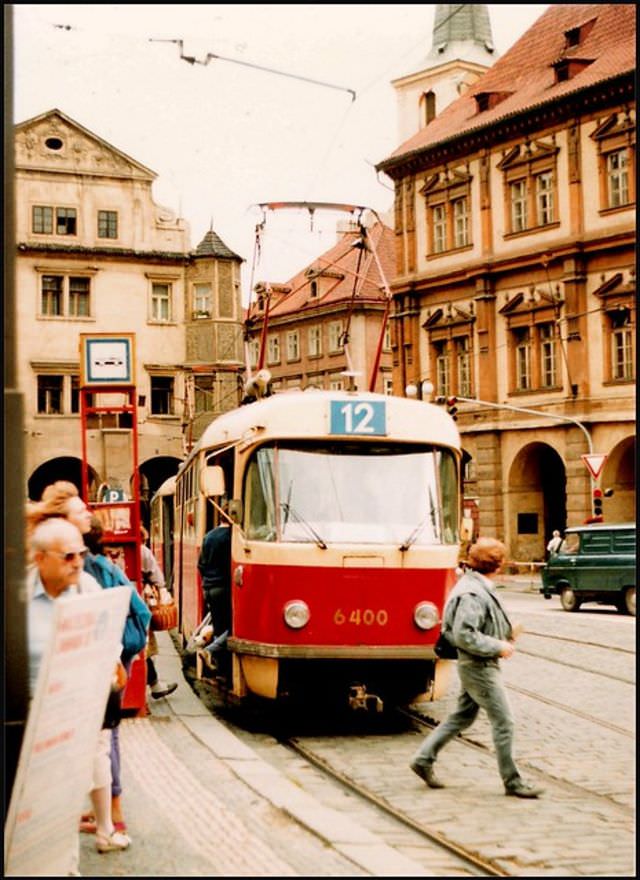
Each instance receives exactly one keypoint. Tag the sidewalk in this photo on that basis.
(520, 583)
(199, 802)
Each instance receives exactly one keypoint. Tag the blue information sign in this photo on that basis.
(359, 417)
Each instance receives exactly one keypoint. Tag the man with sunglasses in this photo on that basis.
(57, 573)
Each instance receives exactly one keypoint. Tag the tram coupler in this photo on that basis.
(360, 700)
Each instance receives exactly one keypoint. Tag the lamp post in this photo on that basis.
(596, 496)
(534, 412)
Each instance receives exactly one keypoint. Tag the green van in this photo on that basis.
(594, 563)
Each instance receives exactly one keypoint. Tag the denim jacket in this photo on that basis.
(475, 620)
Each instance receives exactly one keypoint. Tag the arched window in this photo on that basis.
(427, 108)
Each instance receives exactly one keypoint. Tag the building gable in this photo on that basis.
(55, 143)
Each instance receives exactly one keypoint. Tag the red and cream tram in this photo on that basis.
(345, 538)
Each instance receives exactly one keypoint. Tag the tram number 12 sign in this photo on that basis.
(360, 417)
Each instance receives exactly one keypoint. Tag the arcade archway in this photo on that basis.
(537, 501)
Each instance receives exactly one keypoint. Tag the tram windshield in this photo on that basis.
(352, 493)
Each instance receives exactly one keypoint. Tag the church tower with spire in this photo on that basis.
(462, 50)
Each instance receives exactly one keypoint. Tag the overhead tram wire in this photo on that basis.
(211, 56)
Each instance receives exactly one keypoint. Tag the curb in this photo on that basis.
(336, 829)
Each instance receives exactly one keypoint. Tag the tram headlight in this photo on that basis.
(425, 615)
(296, 614)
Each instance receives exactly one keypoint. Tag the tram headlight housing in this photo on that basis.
(296, 614)
(426, 615)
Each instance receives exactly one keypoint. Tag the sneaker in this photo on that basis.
(162, 689)
(115, 842)
(425, 772)
(520, 788)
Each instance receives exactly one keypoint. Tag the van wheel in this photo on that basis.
(628, 603)
(569, 600)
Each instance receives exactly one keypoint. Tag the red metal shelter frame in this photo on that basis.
(121, 519)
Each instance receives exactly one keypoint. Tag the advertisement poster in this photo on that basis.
(54, 771)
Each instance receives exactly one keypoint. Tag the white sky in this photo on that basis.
(223, 137)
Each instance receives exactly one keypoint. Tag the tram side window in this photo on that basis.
(449, 495)
(259, 498)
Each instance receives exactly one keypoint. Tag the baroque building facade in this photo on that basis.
(96, 254)
(327, 326)
(515, 274)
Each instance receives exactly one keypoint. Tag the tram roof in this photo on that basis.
(305, 414)
(168, 487)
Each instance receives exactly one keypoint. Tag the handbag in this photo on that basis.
(113, 708)
(163, 616)
(444, 650)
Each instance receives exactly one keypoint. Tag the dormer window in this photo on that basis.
(489, 100)
(567, 68)
(577, 35)
(313, 289)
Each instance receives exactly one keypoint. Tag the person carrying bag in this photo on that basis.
(477, 624)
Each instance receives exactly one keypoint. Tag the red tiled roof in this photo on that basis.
(526, 72)
(340, 263)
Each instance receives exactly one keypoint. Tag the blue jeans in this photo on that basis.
(482, 687)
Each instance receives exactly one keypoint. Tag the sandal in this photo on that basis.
(87, 823)
(116, 841)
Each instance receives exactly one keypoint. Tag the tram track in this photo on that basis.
(446, 833)
(571, 711)
(476, 864)
(565, 663)
(582, 642)
(427, 724)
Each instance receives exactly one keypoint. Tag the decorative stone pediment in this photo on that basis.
(615, 292)
(532, 151)
(523, 303)
(54, 142)
(448, 316)
(445, 180)
(614, 124)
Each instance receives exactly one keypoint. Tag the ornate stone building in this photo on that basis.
(96, 254)
(515, 273)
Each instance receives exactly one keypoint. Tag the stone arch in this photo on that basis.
(536, 501)
(65, 467)
(618, 476)
(153, 472)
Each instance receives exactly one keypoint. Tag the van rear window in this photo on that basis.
(597, 542)
(624, 542)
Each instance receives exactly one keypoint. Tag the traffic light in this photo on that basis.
(597, 503)
(452, 409)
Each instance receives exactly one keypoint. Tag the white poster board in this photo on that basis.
(54, 771)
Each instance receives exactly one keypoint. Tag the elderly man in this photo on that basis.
(57, 574)
(476, 623)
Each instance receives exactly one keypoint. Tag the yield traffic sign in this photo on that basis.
(594, 462)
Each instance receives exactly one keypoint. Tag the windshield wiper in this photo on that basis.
(286, 505)
(414, 534)
(290, 511)
(431, 514)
